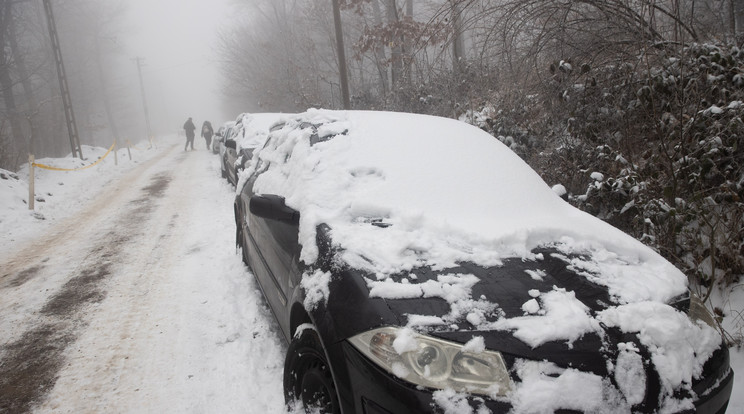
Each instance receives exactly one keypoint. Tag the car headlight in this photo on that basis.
(434, 363)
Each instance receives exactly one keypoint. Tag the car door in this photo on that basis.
(275, 261)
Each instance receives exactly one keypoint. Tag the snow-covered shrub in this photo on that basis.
(655, 147)
(668, 140)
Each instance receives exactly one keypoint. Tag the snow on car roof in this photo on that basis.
(255, 128)
(450, 193)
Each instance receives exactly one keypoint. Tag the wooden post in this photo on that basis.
(30, 181)
(129, 150)
(116, 155)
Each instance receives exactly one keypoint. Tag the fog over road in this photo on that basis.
(140, 303)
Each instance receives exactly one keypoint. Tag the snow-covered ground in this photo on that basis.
(174, 322)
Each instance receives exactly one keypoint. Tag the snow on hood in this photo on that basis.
(450, 193)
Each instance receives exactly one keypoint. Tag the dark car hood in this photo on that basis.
(508, 286)
(351, 309)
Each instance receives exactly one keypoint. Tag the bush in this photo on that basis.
(655, 147)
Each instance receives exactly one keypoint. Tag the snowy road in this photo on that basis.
(139, 303)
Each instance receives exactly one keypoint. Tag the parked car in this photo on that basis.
(228, 148)
(416, 264)
(219, 136)
(248, 133)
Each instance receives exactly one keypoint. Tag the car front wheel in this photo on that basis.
(307, 376)
(243, 246)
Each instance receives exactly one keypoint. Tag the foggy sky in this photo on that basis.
(177, 40)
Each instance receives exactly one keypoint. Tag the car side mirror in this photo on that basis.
(272, 207)
(230, 144)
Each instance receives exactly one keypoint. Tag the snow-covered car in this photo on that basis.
(416, 264)
(248, 133)
(227, 134)
(219, 136)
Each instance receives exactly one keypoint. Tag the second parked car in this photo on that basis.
(248, 133)
(219, 136)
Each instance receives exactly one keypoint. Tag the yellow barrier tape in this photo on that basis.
(47, 167)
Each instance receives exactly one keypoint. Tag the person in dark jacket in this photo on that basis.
(207, 132)
(189, 127)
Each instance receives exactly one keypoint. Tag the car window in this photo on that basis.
(277, 126)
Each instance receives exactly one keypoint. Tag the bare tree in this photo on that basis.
(284, 60)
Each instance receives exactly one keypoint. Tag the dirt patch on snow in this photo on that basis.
(159, 185)
(21, 277)
(30, 365)
(79, 291)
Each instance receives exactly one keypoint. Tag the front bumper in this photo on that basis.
(365, 388)
(714, 387)
(716, 401)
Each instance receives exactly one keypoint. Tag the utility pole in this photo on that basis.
(72, 130)
(343, 77)
(144, 101)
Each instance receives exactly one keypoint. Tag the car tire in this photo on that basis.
(243, 248)
(239, 236)
(307, 375)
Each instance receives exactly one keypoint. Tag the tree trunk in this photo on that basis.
(396, 44)
(342, 72)
(408, 46)
(6, 82)
(458, 42)
(738, 9)
(380, 55)
(20, 65)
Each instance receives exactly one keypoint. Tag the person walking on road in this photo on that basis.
(207, 132)
(189, 127)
